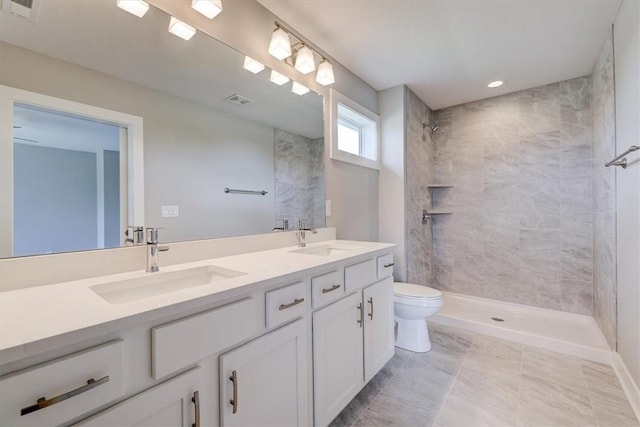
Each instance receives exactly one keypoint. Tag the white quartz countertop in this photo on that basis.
(35, 316)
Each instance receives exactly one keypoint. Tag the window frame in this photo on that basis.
(335, 99)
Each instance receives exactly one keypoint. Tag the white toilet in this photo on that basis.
(412, 304)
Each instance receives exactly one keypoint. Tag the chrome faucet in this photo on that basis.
(134, 236)
(285, 225)
(152, 250)
(302, 229)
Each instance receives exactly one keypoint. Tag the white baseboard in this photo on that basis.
(630, 387)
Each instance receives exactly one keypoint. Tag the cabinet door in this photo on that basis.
(378, 326)
(265, 382)
(337, 356)
(174, 403)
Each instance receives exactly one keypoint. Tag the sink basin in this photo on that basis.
(153, 284)
(324, 250)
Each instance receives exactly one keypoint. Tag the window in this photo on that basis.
(354, 132)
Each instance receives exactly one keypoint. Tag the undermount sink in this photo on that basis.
(153, 284)
(324, 250)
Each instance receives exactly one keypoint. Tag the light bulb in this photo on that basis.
(209, 8)
(497, 83)
(134, 7)
(252, 65)
(325, 73)
(304, 60)
(280, 46)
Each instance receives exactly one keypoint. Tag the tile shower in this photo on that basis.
(299, 179)
(529, 198)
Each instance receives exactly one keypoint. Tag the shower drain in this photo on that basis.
(497, 319)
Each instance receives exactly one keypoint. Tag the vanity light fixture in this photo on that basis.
(497, 83)
(299, 89)
(278, 78)
(252, 65)
(325, 73)
(304, 60)
(280, 45)
(180, 29)
(300, 55)
(209, 8)
(134, 7)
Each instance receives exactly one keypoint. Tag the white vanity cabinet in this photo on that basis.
(173, 403)
(352, 340)
(265, 382)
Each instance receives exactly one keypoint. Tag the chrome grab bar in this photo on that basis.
(618, 161)
(43, 402)
(256, 192)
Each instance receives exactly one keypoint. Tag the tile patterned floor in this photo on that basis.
(472, 380)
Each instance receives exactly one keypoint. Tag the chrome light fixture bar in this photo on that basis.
(300, 55)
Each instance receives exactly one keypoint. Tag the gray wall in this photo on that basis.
(299, 179)
(112, 228)
(521, 228)
(55, 200)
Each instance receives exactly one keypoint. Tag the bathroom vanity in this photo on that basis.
(286, 336)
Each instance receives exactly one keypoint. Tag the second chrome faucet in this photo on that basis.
(152, 250)
(302, 230)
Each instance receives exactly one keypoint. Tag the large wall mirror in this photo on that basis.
(207, 123)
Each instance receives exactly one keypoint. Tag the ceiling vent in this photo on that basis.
(238, 99)
(22, 8)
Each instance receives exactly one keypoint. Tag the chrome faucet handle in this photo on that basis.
(302, 226)
(134, 235)
(285, 225)
(152, 235)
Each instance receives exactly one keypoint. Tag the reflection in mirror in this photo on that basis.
(200, 136)
(66, 182)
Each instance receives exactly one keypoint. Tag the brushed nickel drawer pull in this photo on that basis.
(371, 302)
(331, 289)
(43, 402)
(388, 265)
(361, 319)
(291, 304)
(196, 401)
(234, 401)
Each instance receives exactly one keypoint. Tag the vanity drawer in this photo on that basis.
(64, 384)
(385, 266)
(326, 288)
(183, 342)
(285, 303)
(360, 275)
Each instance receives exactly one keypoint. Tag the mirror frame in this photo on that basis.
(134, 153)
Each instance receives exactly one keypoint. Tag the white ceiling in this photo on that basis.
(447, 51)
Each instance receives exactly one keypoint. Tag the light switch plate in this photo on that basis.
(170, 211)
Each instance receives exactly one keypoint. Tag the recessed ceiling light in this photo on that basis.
(209, 8)
(278, 78)
(134, 7)
(252, 65)
(180, 29)
(497, 83)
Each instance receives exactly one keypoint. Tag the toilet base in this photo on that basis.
(412, 335)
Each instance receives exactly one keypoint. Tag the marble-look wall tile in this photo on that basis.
(419, 174)
(299, 178)
(522, 202)
(604, 232)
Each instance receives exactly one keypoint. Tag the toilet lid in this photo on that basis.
(409, 290)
